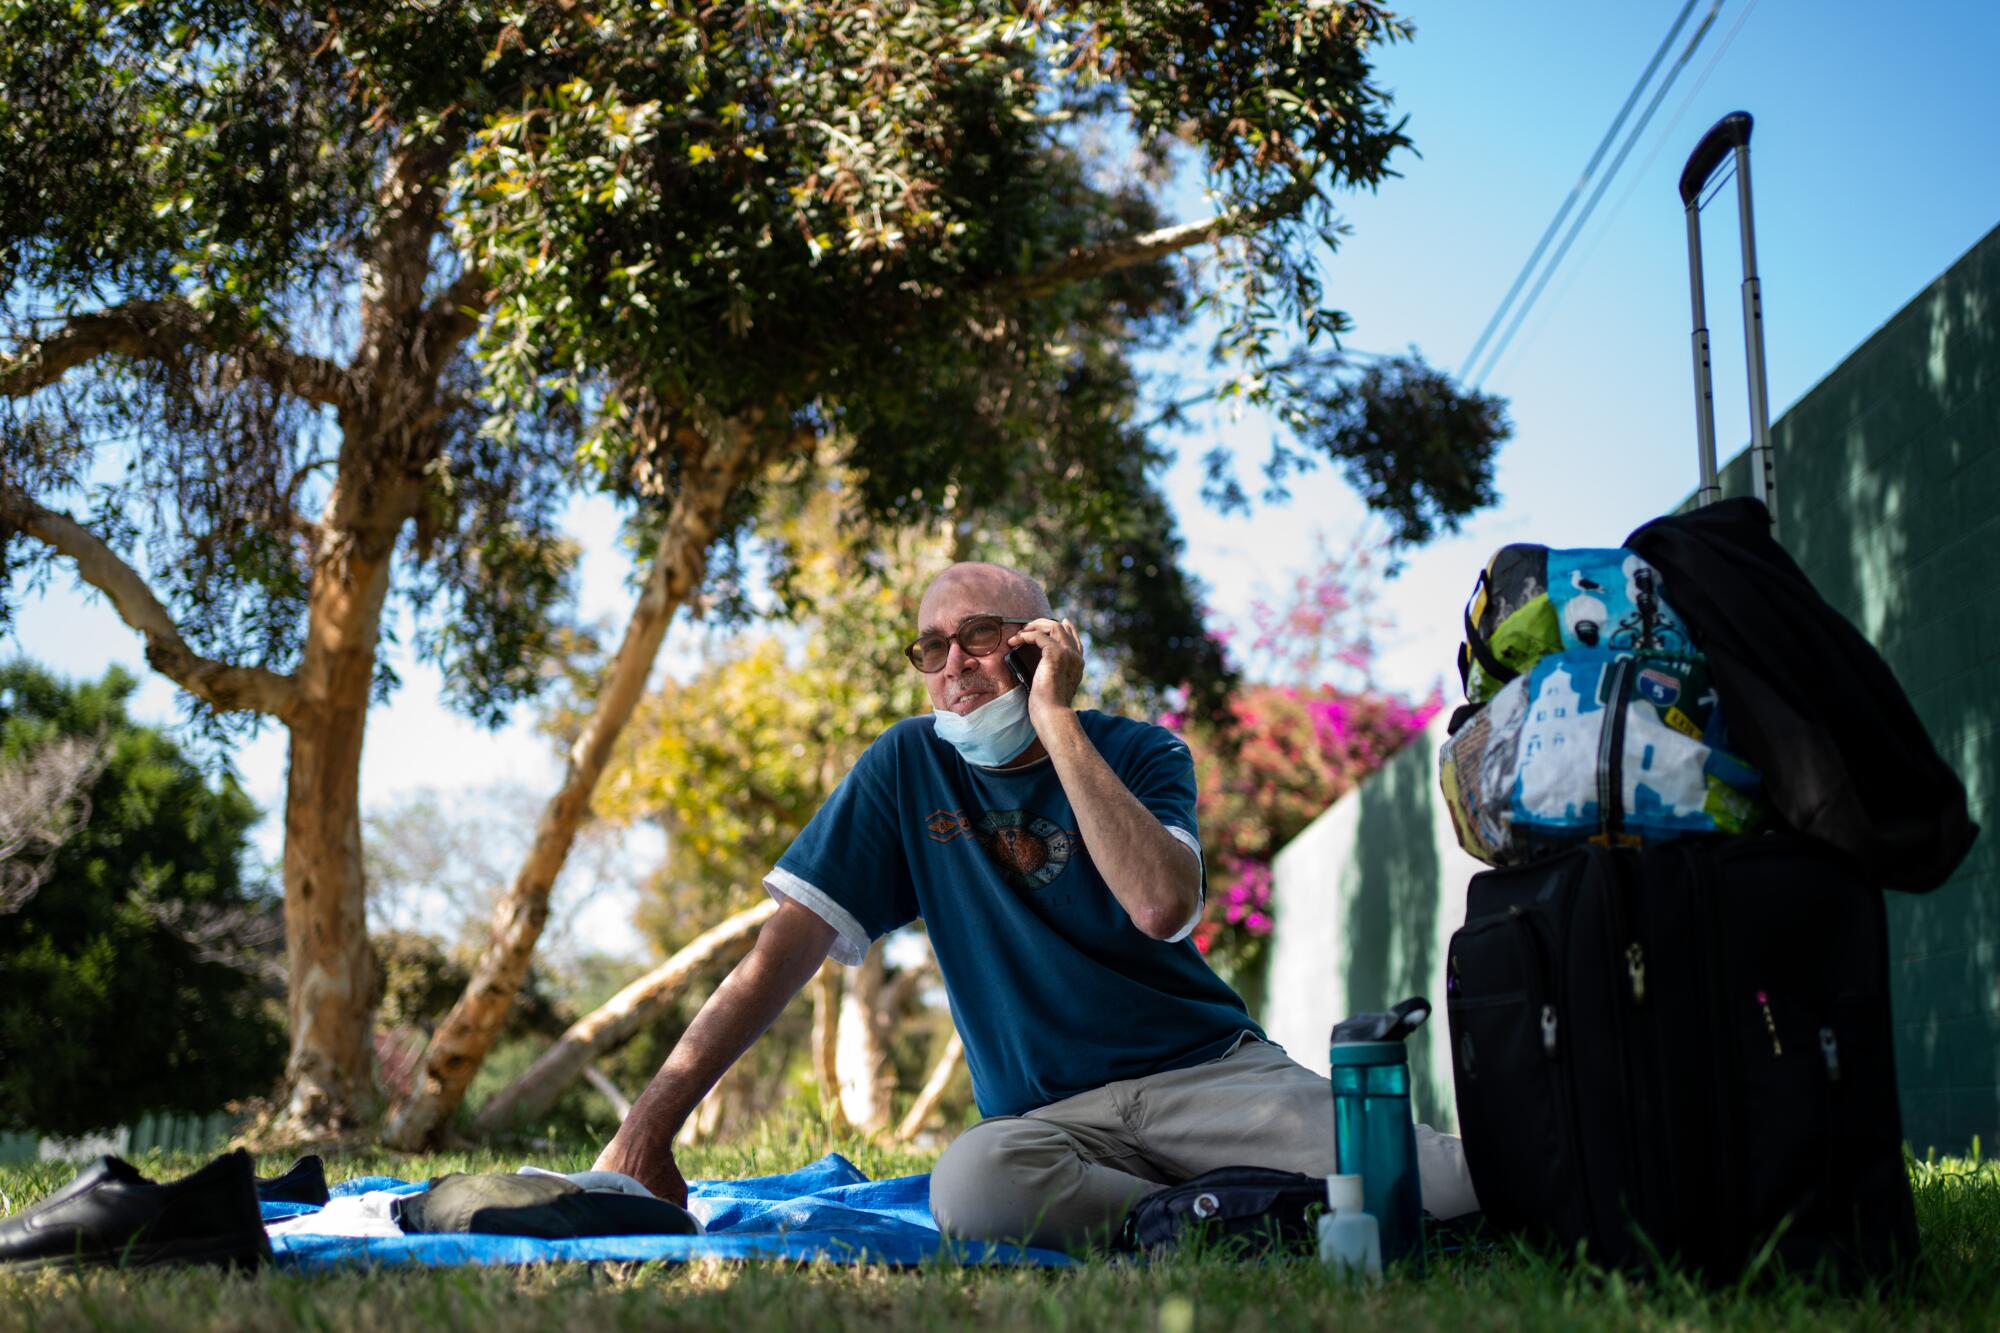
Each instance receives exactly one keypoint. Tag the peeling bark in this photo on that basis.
(331, 968)
(615, 1022)
(462, 1040)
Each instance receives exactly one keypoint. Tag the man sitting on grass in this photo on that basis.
(1054, 858)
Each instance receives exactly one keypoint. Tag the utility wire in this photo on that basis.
(1576, 191)
(1640, 176)
(1707, 22)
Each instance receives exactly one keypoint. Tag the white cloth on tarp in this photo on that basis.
(369, 1215)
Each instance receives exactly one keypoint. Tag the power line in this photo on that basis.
(1707, 22)
(1576, 191)
(1666, 136)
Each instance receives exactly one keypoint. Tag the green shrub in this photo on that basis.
(138, 953)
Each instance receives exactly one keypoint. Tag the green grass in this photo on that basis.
(1958, 1208)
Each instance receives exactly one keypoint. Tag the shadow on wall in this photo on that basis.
(1889, 498)
(1392, 905)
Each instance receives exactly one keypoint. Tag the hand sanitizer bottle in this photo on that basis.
(1349, 1241)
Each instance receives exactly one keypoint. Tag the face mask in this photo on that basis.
(995, 733)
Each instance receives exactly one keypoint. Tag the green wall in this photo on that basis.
(1889, 496)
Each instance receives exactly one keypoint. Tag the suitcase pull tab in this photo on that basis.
(1830, 1048)
(1549, 1031)
(1771, 1025)
(1635, 968)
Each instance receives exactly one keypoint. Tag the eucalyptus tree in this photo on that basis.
(238, 401)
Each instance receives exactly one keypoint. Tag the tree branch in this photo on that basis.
(1097, 260)
(157, 330)
(453, 315)
(224, 687)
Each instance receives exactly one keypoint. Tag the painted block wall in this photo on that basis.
(1889, 497)
(1366, 898)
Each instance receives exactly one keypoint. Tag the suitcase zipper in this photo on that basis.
(1829, 1049)
(1771, 1026)
(1626, 1022)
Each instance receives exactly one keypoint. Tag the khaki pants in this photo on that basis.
(1066, 1174)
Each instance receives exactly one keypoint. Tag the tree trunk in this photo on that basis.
(927, 1100)
(328, 1080)
(826, 1042)
(614, 1022)
(867, 1080)
(462, 1040)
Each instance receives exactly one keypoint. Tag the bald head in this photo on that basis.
(972, 587)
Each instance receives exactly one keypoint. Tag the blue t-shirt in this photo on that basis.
(1053, 989)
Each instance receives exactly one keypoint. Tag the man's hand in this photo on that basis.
(652, 1167)
(789, 949)
(1061, 670)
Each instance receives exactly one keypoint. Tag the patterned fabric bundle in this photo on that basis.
(1531, 601)
(1595, 744)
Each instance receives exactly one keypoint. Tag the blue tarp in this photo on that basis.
(827, 1210)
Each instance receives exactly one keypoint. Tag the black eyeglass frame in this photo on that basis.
(915, 649)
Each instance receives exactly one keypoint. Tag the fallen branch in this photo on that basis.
(614, 1022)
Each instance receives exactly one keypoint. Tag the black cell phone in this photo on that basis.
(1022, 661)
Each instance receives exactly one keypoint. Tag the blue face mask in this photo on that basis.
(995, 733)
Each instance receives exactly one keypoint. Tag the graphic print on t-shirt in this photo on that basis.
(1030, 851)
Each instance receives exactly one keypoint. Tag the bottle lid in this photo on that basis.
(1343, 1193)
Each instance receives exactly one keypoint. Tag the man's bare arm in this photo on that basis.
(789, 949)
(1154, 875)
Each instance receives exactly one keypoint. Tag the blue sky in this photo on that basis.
(1876, 164)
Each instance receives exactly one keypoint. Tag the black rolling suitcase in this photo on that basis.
(1683, 1053)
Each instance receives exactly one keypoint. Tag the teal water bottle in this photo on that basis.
(1374, 1132)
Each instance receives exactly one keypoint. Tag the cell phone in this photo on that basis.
(1022, 661)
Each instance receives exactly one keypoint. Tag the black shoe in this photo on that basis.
(112, 1215)
(304, 1183)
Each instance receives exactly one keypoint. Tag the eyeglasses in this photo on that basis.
(977, 635)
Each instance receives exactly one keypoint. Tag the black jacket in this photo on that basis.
(1809, 700)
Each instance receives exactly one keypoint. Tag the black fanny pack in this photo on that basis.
(1245, 1210)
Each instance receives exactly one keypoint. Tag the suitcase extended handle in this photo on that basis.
(1723, 138)
(1729, 137)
